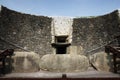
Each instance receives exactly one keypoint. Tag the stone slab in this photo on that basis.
(64, 63)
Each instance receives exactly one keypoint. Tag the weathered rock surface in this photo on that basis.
(27, 31)
(61, 26)
(35, 33)
(101, 61)
(76, 50)
(64, 63)
(25, 62)
(94, 32)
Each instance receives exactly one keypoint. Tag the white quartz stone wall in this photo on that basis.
(62, 26)
(0, 7)
(119, 13)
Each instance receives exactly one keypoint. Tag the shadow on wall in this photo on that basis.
(110, 63)
(8, 66)
(5, 58)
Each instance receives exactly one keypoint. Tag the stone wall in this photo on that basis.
(92, 33)
(36, 34)
(28, 32)
(62, 26)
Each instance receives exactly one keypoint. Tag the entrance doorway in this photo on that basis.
(61, 44)
(61, 50)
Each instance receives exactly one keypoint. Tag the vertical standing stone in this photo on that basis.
(61, 26)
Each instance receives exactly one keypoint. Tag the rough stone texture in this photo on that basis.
(61, 26)
(64, 63)
(27, 31)
(101, 61)
(4, 45)
(35, 33)
(76, 50)
(91, 33)
(25, 62)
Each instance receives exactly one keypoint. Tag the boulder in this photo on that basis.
(25, 62)
(101, 61)
(64, 63)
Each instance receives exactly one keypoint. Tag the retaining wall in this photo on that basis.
(26, 31)
(92, 33)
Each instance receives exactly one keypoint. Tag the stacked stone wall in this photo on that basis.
(24, 32)
(29, 32)
(92, 33)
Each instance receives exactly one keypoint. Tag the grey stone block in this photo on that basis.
(64, 63)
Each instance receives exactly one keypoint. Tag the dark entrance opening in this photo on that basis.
(61, 50)
(61, 44)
